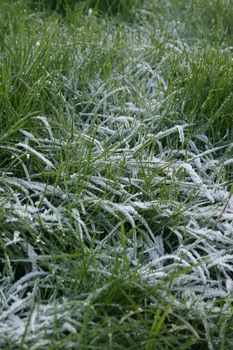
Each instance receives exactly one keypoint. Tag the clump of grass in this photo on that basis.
(115, 168)
(204, 89)
(115, 7)
(102, 7)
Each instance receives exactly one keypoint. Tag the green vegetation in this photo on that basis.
(116, 156)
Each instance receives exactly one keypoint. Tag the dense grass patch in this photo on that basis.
(116, 175)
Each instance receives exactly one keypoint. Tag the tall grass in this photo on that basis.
(115, 176)
(101, 7)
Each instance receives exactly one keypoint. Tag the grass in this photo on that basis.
(116, 175)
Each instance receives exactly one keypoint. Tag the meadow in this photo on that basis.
(116, 174)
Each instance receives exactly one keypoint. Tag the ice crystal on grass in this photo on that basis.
(114, 183)
(204, 237)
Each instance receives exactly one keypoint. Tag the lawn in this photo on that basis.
(116, 175)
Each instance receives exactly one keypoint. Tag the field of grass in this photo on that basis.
(116, 170)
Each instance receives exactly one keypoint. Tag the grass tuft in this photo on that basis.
(116, 161)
